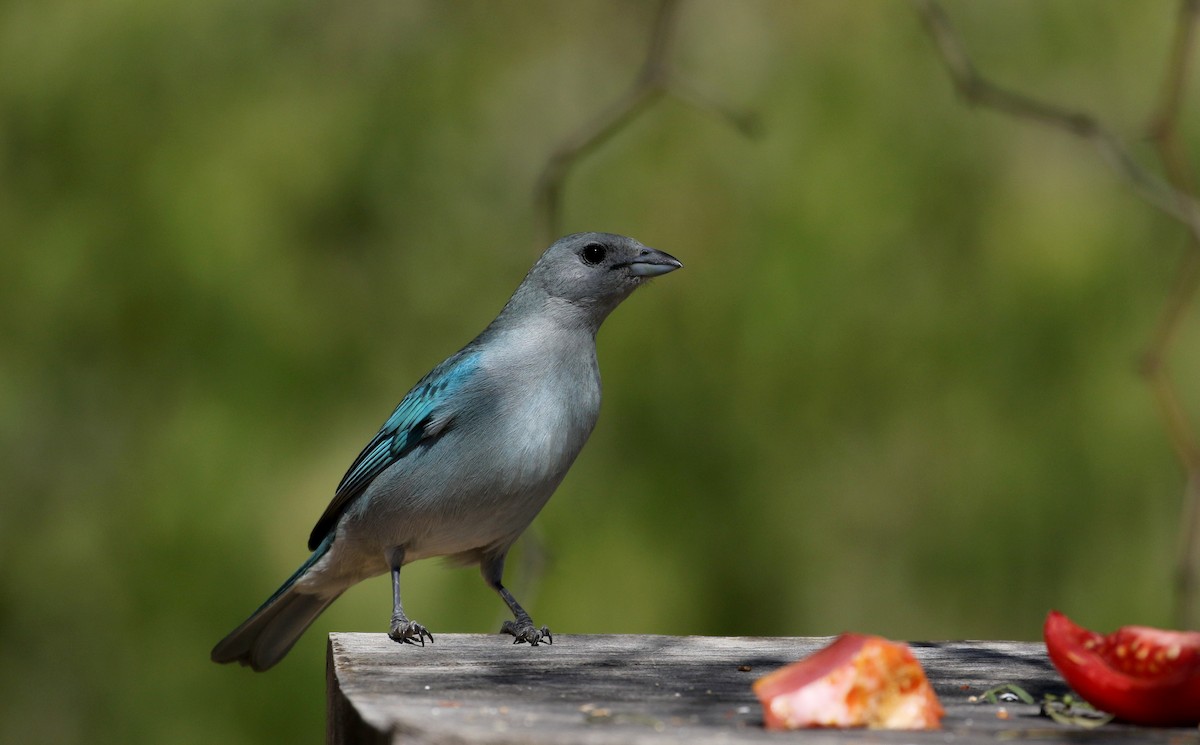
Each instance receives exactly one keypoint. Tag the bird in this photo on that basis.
(470, 455)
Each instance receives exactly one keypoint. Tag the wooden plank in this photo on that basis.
(618, 689)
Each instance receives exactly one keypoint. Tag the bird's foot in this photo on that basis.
(409, 632)
(527, 632)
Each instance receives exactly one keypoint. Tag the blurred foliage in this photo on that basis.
(893, 391)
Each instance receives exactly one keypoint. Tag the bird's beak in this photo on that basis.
(652, 263)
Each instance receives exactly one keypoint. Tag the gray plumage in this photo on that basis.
(471, 454)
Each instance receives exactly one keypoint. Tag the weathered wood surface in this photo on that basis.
(616, 689)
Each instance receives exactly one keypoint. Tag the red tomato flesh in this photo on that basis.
(858, 681)
(1139, 674)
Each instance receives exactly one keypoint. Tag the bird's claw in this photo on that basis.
(527, 632)
(409, 632)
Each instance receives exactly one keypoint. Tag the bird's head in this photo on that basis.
(594, 272)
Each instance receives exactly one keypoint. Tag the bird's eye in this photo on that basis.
(593, 253)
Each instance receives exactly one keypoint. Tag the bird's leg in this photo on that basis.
(522, 629)
(403, 630)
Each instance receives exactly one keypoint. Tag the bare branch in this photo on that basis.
(1175, 197)
(655, 79)
(1186, 581)
(1164, 132)
(655, 67)
(548, 192)
(976, 89)
(1182, 51)
(688, 92)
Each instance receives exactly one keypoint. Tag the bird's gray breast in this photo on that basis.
(517, 430)
(547, 388)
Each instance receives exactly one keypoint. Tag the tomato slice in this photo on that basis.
(858, 681)
(1140, 674)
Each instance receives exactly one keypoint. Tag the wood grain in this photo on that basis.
(615, 689)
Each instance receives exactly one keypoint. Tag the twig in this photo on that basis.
(1164, 132)
(1182, 50)
(655, 79)
(1175, 197)
(1153, 362)
(980, 91)
(1189, 556)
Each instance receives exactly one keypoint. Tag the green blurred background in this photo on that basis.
(893, 391)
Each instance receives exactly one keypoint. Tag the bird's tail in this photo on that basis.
(267, 635)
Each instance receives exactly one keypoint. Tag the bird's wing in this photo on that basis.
(426, 412)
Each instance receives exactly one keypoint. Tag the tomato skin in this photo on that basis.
(1139, 674)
